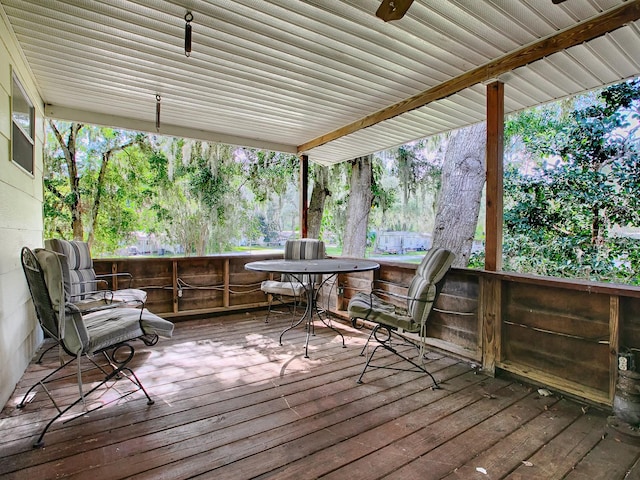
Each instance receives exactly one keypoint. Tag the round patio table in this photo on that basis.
(328, 267)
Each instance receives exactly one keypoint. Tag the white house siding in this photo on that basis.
(20, 223)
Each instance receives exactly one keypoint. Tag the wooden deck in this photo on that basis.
(231, 403)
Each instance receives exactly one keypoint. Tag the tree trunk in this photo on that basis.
(358, 208)
(463, 177)
(69, 150)
(95, 208)
(316, 204)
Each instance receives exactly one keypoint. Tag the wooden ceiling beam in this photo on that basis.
(580, 33)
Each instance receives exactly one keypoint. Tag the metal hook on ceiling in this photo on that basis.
(158, 112)
(187, 34)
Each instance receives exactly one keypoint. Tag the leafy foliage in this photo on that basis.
(92, 180)
(408, 180)
(572, 184)
(270, 179)
(269, 173)
(559, 216)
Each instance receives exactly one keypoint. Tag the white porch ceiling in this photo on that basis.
(283, 73)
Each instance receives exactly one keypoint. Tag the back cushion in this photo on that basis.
(435, 264)
(80, 265)
(303, 249)
(78, 254)
(73, 332)
(50, 264)
(422, 290)
(421, 295)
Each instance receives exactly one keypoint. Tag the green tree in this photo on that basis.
(358, 207)
(560, 214)
(458, 204)
(335, 215)
(91, 187)
(414, 170)
(272, 178)
(197, 203)
(411, 176)
(321, 190)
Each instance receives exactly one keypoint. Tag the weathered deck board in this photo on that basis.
(464, 445)
(457, 393)
(232, 403)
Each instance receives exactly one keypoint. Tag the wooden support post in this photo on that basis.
(495, 151)
(614, 343)
(491, 314)
(227, 287)
(114, 276)
(491, 288)
(304, 195)
(174, 280)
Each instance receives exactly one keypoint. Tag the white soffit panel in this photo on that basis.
(278, 74)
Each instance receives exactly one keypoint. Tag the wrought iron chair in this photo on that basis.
(389, 318)
(289, 285)
(82, 285)
(86, 289)
(108, 332)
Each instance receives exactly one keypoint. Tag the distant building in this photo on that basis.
(401, 242)
(149, 244)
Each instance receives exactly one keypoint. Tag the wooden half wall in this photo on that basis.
(187, 286)
(562, 334)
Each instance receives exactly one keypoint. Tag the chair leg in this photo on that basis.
(271, 296)
(42, 383)
(373, 331)
(366, 365)
(386, 344)
(120, 370)
(39, 361)
(354, 324)
(266, 320)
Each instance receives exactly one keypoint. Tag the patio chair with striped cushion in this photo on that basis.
(290, 285)
(103, 334)
(86, 289)
(391, 319)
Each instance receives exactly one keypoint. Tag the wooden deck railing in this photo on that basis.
(187, 286)
(560, 333)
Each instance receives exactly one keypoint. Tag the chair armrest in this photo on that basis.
(103, 276)
(95, 280)
(399, 309)
(107, 295)
(70, 307)
(386, 293)
(95, 304)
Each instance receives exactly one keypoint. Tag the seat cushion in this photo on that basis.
(153, 324)
(108, 327)
(291, 289)
(373, 308)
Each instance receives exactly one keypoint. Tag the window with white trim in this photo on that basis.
(22, 129)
